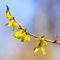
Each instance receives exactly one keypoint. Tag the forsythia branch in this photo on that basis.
(24, 35)
(51, 41)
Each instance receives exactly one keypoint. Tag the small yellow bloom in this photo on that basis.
(18, 33)
(41, 45)
(26, 38)
(22, 34)
(8, 14)
(43, 41)
(12, 23)
(36, 49)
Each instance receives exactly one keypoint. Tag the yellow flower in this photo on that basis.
(41, 45)
(43, 41)
(25, 38)
(36, 49)
(18, 33)
(8, 14)
(12, 23)
(22, 34)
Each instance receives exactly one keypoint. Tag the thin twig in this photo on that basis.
(51, 41)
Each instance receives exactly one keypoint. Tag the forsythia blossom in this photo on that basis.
(8, 14)
(11, 19)
(26, 38)
(12, 23)
(41, 45)
(22, 34)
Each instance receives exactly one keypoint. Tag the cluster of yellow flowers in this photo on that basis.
(20, 33)
(23, 34)
(11, 19)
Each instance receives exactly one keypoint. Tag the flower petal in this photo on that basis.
(25, 38)
(36, 49)
(43, 50)
(18, 33)
(8, 14)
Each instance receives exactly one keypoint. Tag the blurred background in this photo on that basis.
(40, 17)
